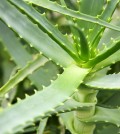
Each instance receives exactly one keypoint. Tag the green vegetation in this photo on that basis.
(64, 78)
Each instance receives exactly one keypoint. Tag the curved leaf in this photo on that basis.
(43, 101)
(108, 61)
(52, 31)
(28, 69)
(103, 128)
(106, 16)
(71, 105)
(93, 8)
(56, 7)
(31, 33)
(42, 126)
(84, 48)
(21, 57)
(108, 82)
(107, 53)
(106, 115)
(10, 41)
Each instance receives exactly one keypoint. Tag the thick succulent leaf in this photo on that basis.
(43, 101)
(71, 104)
(84, 48)
(106, 129)
(44, 74)
(21, 57)
(46, 25)
(10, 41)
(33, 34)
(68, 119)
(42, 126)
(56, 7)
(113, 100)
(108, 52)
(108, 82)
(73, 30)
(93, 8)
(108, 61)
(106, 115)
(105, 15)
(8, 68)
(109, 35)
(21, 74)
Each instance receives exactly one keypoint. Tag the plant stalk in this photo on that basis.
(84, 95)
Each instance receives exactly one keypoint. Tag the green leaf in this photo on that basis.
(44, 74)
(21, 57)
(84, 48)
(31, 33)
(115, 46)
(109, 35)
(108, 61)
(21, 74)
(108, 82)
(10, 41)
(106, 16)
(43, 101)
(73, 30)
(71, 105)
(106, 115)
(106, 129)
(56, 7)
(68, 119)
(42, 126)
(93, 8)
(51, 30)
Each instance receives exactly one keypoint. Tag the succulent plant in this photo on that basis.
(69, 72)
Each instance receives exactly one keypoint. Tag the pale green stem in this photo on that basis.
(84, 95)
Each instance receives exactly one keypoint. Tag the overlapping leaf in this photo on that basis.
(43, 101)
(56, 7)
(108, 82)
(33, 34)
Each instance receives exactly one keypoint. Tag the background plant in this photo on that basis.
(52, 73)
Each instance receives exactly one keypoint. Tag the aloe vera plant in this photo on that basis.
(50, 73)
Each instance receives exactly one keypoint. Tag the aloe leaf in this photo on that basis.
(33, 34)
(56, 7)
(84, 48)
(106, 16)
(21, 57)
(44, 74)
(10, 41)
(106, 115)
(8, 71)
(73, 30)
(43, 101)
(71, 105)
(42, 126)
(68, 119)
(109, 35)
(106, 129)
(46, 25)
(108, 61)
(108, 82)
(28, 69)
(115, 46)
(113, 100)
(87, 7)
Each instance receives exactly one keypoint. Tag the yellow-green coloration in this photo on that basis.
(69, 72)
